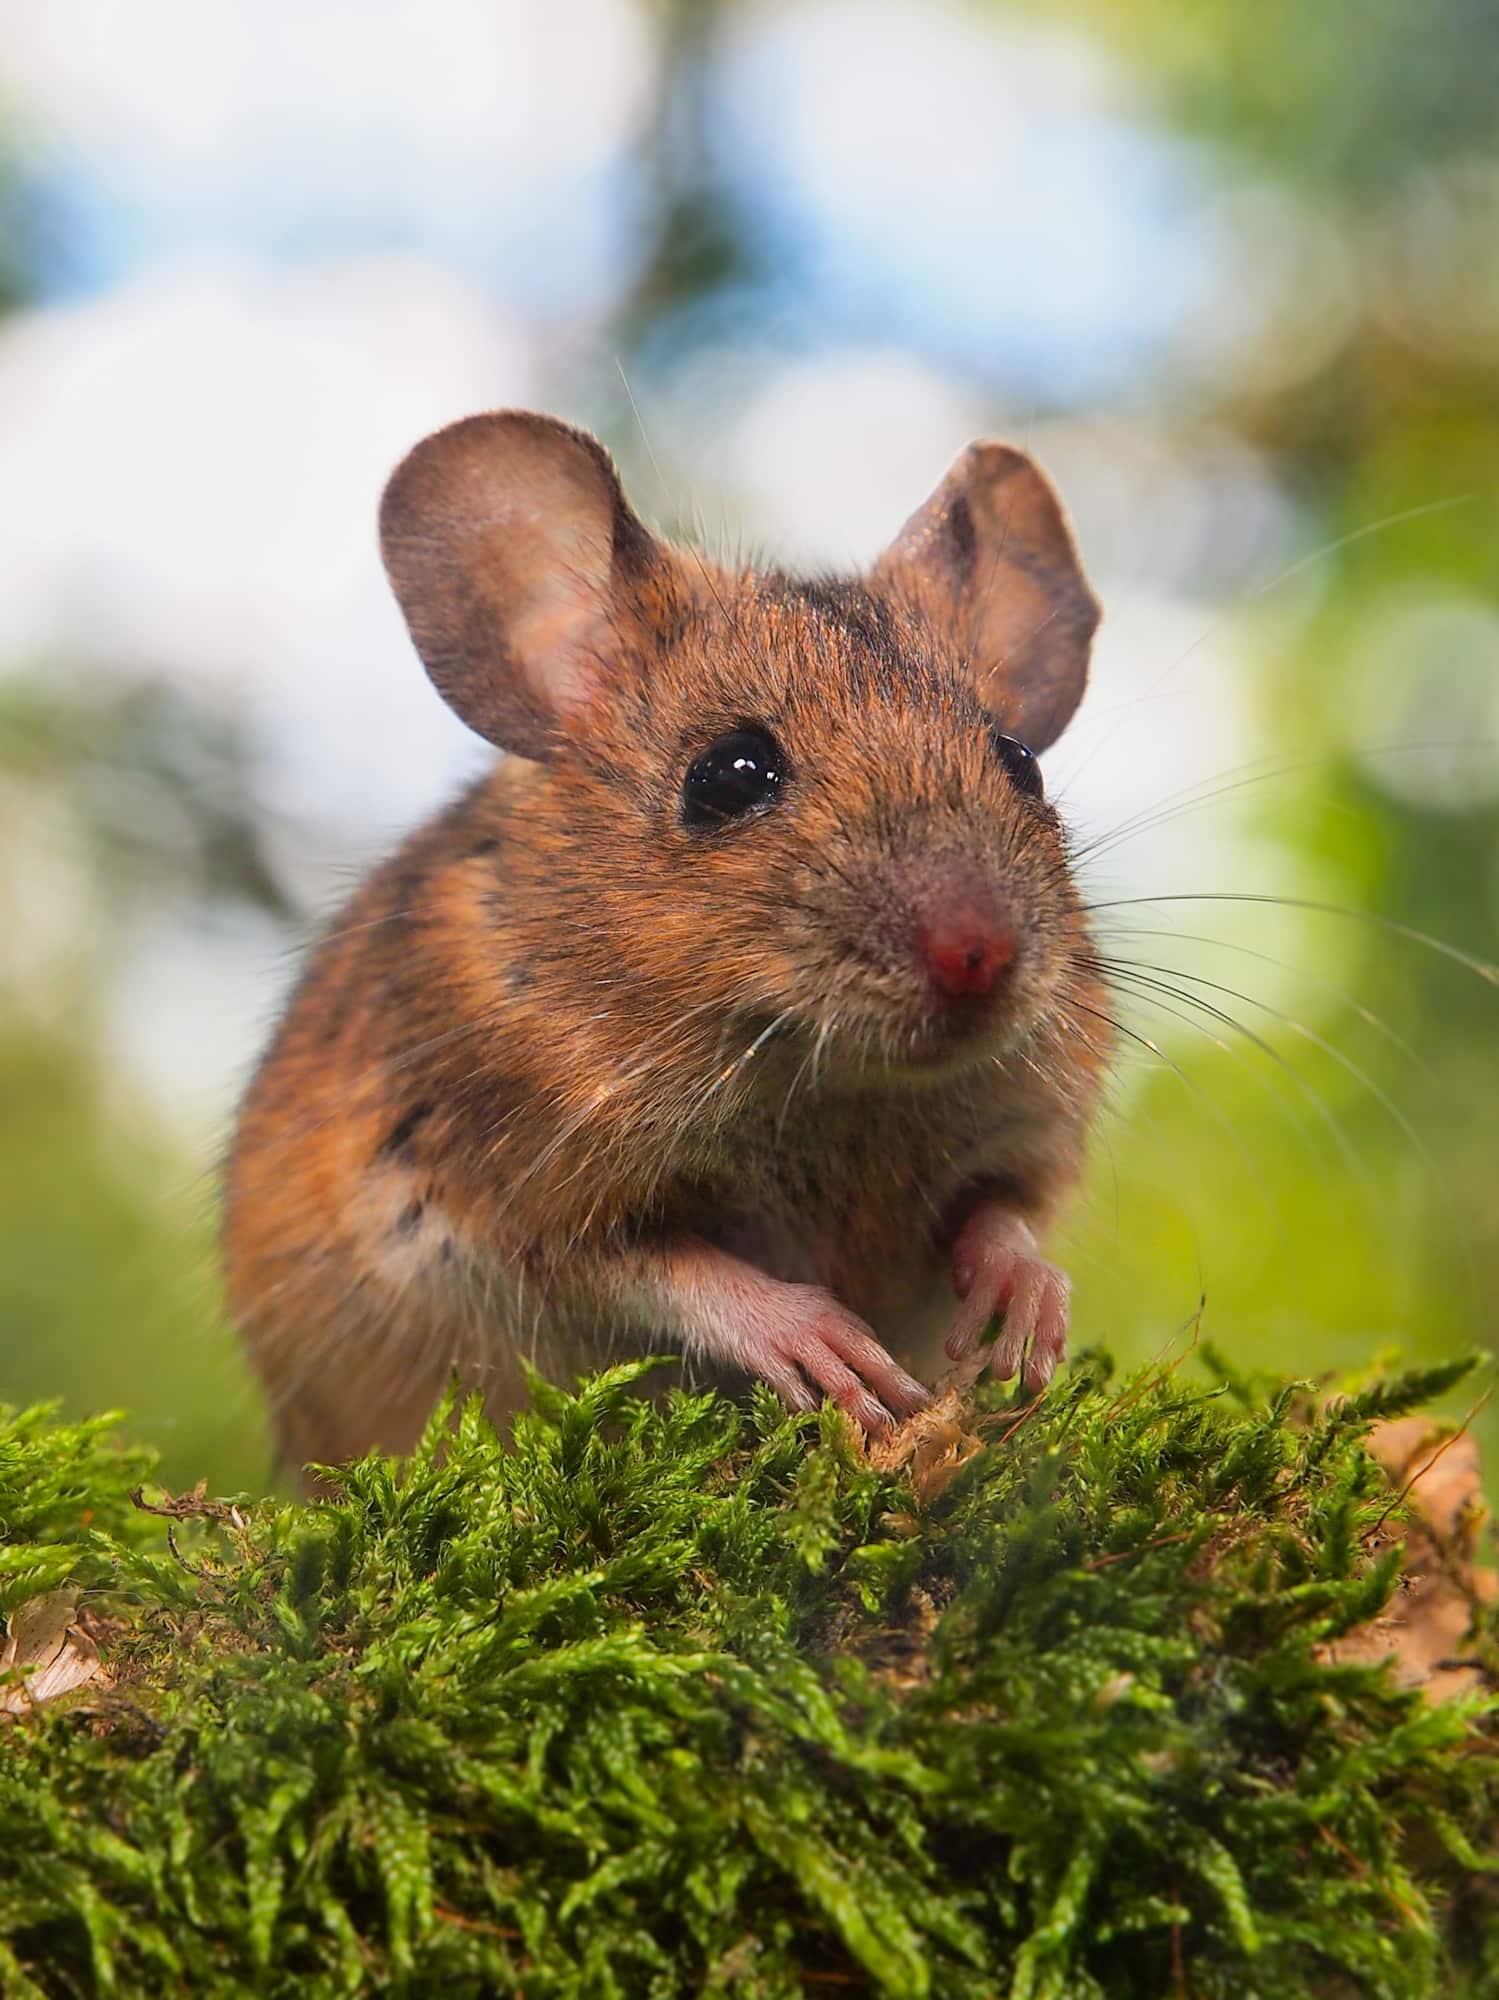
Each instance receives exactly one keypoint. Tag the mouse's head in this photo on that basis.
(809, 804)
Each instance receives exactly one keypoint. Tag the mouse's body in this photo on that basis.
(748, 1011)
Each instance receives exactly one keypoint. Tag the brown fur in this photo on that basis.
(531, 1069)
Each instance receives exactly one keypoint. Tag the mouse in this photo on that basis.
(744, 1010)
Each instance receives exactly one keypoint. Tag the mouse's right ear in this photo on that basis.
(990, 560)
(514, 555)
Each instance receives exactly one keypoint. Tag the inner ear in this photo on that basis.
(990, 561)
(518, 564)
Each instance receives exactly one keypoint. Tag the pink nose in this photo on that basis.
(963, 958)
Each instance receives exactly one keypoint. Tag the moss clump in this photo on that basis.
(689, 1699)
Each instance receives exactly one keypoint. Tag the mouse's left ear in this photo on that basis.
(990, 560)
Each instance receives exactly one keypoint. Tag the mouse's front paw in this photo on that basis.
(999, 1273)
(808, 1346)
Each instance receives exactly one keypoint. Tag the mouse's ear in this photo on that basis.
(990, 559)
(515, 556)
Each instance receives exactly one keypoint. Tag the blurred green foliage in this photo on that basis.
(1348, 96)
(107, 1287)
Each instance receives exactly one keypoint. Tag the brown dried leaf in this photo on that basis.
(59, 1653)
(935, 1444)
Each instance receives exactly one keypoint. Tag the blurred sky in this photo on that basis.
(273, 244)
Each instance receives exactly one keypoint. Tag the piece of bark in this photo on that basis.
(1426, 1626)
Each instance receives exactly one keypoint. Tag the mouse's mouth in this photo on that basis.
(959, 1032)
(923, 964)
(912, 1034)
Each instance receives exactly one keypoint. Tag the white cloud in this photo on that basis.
(485, 129)
(983, 186)
(166, 87)
(188, 482)
(830, 454)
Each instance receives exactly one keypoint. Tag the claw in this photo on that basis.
(998, 1273)
(839, 1355)
(798, 1338)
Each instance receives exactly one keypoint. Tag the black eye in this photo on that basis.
(1020, 763)
(736, 775)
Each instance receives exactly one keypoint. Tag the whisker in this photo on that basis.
(809, 1060)
(1324, 985)
(1303, 562)
(1253, 771)
(650, 450)
(1191, 1084)
(1470, 963)
(1139, 978)
(1345, 1062)
(742, 1060)
(1238, 778)
(1190, 799)
(1235, 609)
(1327, 1048)
(695, 1107)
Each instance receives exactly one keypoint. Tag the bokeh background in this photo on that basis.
(1231, 272)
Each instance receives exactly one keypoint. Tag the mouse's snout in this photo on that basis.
(963, 936)
(937, 955)
(963, 953)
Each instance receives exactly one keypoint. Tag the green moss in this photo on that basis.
(685, 1699)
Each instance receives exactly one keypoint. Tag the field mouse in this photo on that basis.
(746, 1009)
